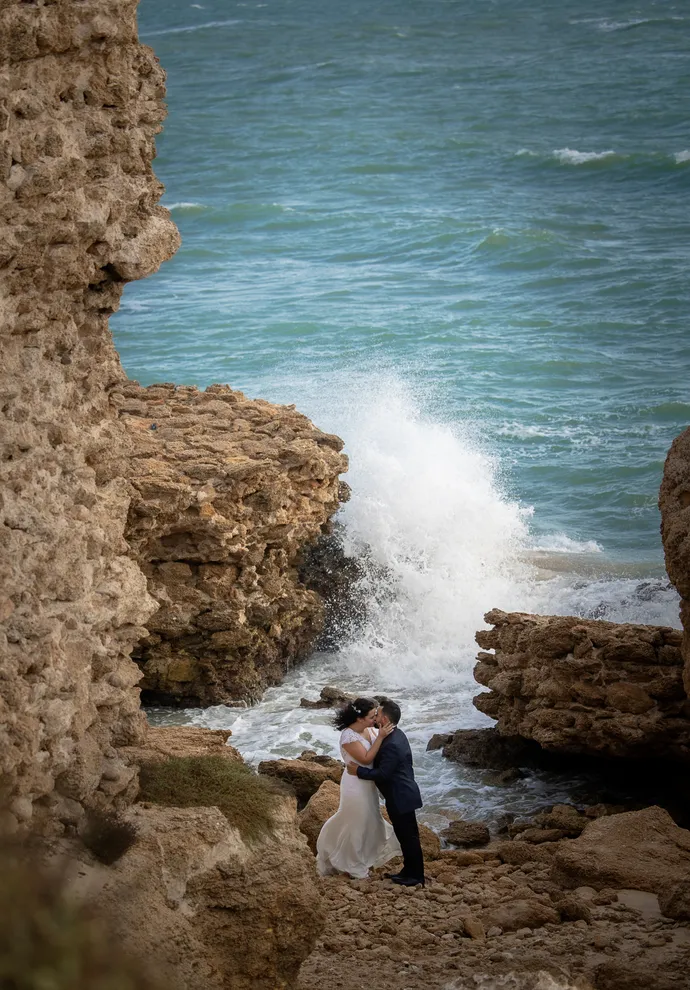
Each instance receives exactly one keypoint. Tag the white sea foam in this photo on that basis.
(185, 206)
(681, 157)
(189, 28)
(444, 543)
(562, 543)
(570, 156)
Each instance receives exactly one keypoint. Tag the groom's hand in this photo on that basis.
(352, 768)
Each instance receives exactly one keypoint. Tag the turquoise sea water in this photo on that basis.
(489, 199)
(457, 234)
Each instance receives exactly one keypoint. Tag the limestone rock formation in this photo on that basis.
(674, 504)
(216, 910)
(304, 776)
(583, 686)
(78, 218)
(226, 493)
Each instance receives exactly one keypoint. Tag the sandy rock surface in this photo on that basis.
(79, 216)
(585, 686)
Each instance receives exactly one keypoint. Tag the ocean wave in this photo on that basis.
(189, 28)
(603, 24)
(570, 156)
(561, 543)
(184, 206)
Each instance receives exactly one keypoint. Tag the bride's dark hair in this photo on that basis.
(353, 710)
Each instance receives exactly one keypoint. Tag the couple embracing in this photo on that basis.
(376, 754)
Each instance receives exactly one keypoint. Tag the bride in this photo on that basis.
(357, 837)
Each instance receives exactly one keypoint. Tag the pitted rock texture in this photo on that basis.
(583, 686)
(211, 909)
(226, 493)
(674, 504)
(78, 218)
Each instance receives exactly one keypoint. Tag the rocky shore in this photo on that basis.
(158, 539)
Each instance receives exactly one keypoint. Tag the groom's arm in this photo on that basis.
(388, 761)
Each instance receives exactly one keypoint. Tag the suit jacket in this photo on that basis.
(393, 774)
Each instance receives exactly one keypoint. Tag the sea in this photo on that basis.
(457, 234)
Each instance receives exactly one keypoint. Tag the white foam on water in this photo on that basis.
(570, 156)
(681, 157)
(562, 543)
(441, 544)
(185, 206)
(189, 28)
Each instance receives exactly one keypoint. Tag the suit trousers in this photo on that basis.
(407, 833)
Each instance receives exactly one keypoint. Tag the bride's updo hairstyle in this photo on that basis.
(349, 713)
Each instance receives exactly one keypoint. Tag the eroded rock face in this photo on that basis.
(78, 218)
(674, 504)
(583, 686)
(226, 493)
(217, 910)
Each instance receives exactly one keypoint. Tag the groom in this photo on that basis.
(394, 777)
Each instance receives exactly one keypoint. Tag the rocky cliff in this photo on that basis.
(674, 503)
(162, 520)
(583, 686)
(226, 493)
(79, 218)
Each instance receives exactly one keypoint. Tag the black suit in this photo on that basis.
(393, 775)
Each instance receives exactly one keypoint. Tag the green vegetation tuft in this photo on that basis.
(247, 800)
(48, 942)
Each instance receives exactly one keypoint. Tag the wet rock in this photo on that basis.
(462, 833)
(438, 741)
(490, 750)
(331, 697)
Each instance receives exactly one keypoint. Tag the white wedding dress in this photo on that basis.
(357, 836)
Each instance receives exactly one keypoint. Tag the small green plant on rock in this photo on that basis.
(247, 800)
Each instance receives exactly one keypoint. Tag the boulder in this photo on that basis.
(318, 809)
(431, 844)
(643, 850)
(675, 902)
(331, 697)
(462, 833)
(303, 776)
(513, 915)
(438, 741)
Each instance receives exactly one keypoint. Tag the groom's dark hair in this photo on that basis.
(389, 709)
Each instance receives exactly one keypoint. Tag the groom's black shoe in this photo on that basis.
(408, 881)
(392, 876)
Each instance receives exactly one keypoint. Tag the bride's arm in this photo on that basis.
(358, 752)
